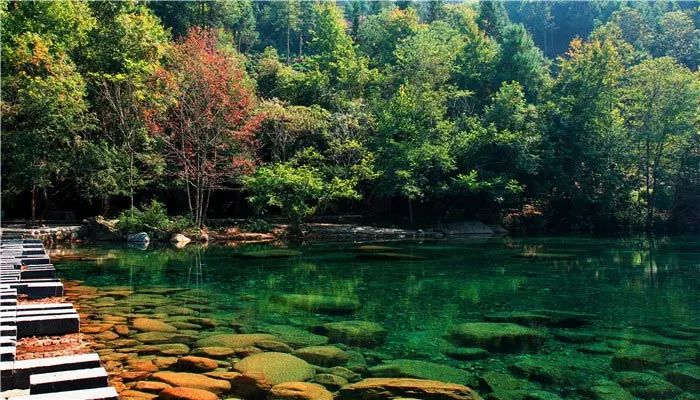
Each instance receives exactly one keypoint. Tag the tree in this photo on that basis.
(126, 49)
(520, 60)
(660, 106)
(678, 38)
(493, 18)
(380, 34)
(46, 111)
(413, 144)
(587, 142)
(299, 191)
(287, 129)
(209, 127)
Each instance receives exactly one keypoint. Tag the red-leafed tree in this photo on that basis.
(207, 119)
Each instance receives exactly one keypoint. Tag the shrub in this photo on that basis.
(152, 216)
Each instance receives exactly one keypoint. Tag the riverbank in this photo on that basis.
(101, 230)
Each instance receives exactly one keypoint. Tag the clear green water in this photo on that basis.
(639, 294)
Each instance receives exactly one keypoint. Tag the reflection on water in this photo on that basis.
(626, 289)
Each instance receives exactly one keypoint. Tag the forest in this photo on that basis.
(571, 116)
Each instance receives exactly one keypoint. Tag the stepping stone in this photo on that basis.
(36, 260)
(38, 273)
(46, 312)
(48, 325)
(105, 393)
(47, 306)
(7, 353)
(43, 289)
(8, 330)
(68, 380)
(33, 252)
(23, 369)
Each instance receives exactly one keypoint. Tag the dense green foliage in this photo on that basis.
(575, 115)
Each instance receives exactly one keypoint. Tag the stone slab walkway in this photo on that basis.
(42, 353)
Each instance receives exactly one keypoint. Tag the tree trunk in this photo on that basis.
(650, 201)
(288, 32)
(410, 211)
(33, 204)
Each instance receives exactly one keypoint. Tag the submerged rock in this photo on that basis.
(467, 353)
(299, 391)
(173, 349)
(271, 253)
(576, 337)
(195, 363)
(388, 388)
(389, 256)
(276, 367)
(162, 337)
(608, 390)
(422, 370)
(686, 376)
(295, 337)
(173, 310)
(638, 357)
(647, 385)
(196, 381)
(214, 351)
(330, 381)
(504, 386)
(370, 248)
(499, 337)
(152, 325)
(318, 303)
(355, 333)
(323, 356)
(233, 340)
(519, 317)
(185, 393)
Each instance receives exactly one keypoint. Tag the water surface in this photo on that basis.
(630, 292)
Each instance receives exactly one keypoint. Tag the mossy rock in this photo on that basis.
(524, 318)
(497, 336)
(686, 376)
(647, 385)
(638, 357)
(604, 389)
(318, 303)
(389, 257)
(370, 248)
(576, 337)
(233, 340)
(543, 371)
(467, 353)
(354, 333)
(422, 370)
(271, 253)
(276, 367)
(295, 337)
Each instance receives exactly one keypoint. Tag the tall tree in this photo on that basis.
(45, 111)
(520, 60)
(44, 96)
(661, 102)
(209, 127)
(587, 137)
(126, 49)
